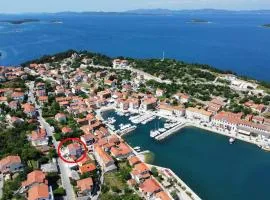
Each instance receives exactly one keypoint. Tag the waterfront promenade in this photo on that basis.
(195, 123)
(185, 192)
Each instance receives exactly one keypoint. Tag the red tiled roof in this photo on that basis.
(38, 192)
(150, 186)
(85, 184)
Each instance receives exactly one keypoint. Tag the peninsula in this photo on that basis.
(47, 101)
(22, 21)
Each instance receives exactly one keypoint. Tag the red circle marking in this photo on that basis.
(72, 139)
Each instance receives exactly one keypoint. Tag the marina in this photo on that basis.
(199, 157)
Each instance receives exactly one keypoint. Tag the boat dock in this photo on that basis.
(170, 131)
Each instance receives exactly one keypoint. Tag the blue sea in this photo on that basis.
(229, 41)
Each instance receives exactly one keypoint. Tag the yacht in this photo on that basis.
(161, 130)
(167, 125)
(124, 126)
(111, 120)
(231, 140)
(137, 148)
(154, 133)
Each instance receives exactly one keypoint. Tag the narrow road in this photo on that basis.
(1, 185)
(62, 166)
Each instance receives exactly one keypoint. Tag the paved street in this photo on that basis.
(63, 168)
(1, 185)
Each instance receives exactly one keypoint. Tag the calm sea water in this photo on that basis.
(236, 42)
(206, 161)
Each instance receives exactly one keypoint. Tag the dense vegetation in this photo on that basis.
(115, 186)
(97, 58)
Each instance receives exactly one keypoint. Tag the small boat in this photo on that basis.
(111, 120)
(137, 148)
(161, 130)
(154, 133)
(231, 140)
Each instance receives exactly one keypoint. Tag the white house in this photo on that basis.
(200, 114)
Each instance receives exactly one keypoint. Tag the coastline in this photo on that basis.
(190, 123)
(186, 192)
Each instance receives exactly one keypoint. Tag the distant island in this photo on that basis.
(266, 25)
(56, 21)
(195, 11)
(199, 21)
(22, 21)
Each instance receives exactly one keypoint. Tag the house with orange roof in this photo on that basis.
(39, 137)
(10, 164)
(109, 83)
(34, 178)
(133, 160)
(29, 110)
(43, 99)
(39, 192)
(162, 195)
(148, 103)
(104, 159)
(255, 107)
(149, 188)
(66, 130)
(85, 186)
(60, 117)
(140, 172)
(89, 167)
(121, 151)
(215, 105)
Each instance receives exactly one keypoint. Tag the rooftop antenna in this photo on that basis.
(163, 57)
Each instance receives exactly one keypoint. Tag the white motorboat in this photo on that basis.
(111, 120)
(137, 148)
(124, 126)
(231, 140)
(154, 133)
